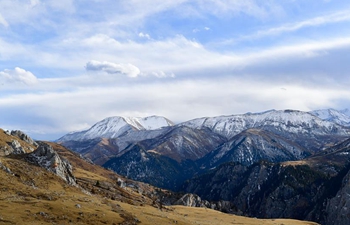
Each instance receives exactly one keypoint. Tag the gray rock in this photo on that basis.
(17, 148)
(48, 158)
(192, 200)
(5, 150)
(121, 183)
(43, 214)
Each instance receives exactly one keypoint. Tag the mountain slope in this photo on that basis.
(253, 145)
(151, 167)
(183, 143)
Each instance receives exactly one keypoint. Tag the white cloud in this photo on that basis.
(229, 8)
(196, 30)
(317, 21)
(126, 69)
(34, 3)
(336, 17)
(113, 68)
(3, 21)
(143, 35)
(18, 75)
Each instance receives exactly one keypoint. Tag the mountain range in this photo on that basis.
(242, 159)
(299, 133)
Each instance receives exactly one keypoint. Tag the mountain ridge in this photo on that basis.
(289, 120)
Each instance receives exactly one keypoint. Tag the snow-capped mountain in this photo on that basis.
(291, 121)
(341, 117)
(113, 127)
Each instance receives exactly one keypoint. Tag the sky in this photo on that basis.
(65, 65)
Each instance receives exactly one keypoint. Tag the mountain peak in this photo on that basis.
(112, 127)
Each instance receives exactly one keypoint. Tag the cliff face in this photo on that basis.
(337, 209)
(315, 189)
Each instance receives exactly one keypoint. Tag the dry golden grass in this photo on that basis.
(35, 196)
(295, 163)
(184, 216)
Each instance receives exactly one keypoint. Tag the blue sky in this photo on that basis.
(67, 64)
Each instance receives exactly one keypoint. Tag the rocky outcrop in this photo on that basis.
(16, 148)
(16, 143)
(193, 200)
(44, 156)
(24, 137)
